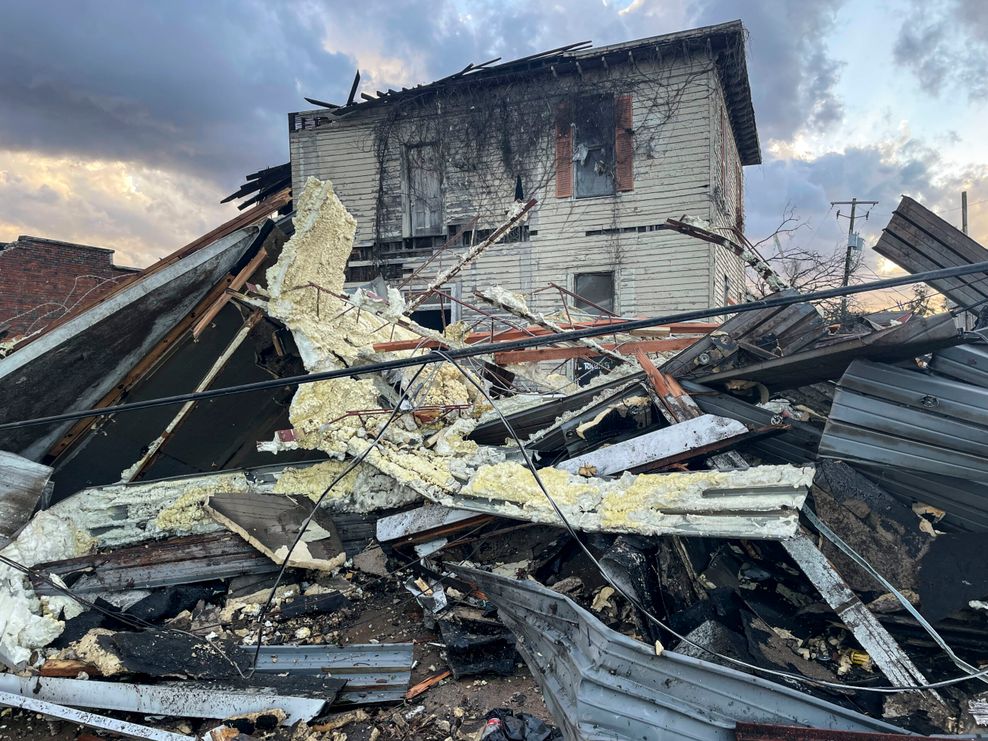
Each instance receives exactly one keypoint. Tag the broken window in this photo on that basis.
(425, 197)
(594, 147)
(596, 292)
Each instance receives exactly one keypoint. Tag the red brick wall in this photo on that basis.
(42, 279)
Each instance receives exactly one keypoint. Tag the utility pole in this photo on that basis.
(851, 244)
(964, 211)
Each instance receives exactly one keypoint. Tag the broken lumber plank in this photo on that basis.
(66, 668)
(568, 353)
(152, 452)
(667, 445)
(185, 560)
(678, 406)
(661, 330)
(271, 523)
(236, 284)
(72, 715)
(22, 485)
(188, 700)
(470, 255)
(427, 683)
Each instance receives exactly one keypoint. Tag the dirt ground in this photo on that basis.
(453, 709)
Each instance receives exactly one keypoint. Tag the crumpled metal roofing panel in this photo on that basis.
(374, 672)
(964, 502)
(601, 685)
(967, 363)
(918, 422)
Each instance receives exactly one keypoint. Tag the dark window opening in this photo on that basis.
(425, 194)
(596, 292)
(593, 145)
(437, 319)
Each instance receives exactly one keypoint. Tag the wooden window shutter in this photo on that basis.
(723, 151)
(624, 173)
(739, 219)
(564, 152)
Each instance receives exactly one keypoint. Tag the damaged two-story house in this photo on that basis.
(611, 141)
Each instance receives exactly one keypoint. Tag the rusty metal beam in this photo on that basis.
(568, 353)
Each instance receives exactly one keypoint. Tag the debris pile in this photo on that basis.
(279, 507)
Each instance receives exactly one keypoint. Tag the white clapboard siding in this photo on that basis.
(677, 171)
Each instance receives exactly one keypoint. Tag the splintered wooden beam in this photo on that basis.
(566, 353)
(236, 284)
(678, 406)
(678, 442)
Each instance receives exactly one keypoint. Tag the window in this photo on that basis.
(594, 146)
(596, 292)
(425, 195)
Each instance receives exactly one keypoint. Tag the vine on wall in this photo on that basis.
(489, 136)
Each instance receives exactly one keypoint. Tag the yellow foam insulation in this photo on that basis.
(311, 481)
(762, 501)
(332, 333)
(186, 514)
(305, 283)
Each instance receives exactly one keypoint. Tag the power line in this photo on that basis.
(778, 301)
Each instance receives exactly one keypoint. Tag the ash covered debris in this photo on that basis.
(541, 520)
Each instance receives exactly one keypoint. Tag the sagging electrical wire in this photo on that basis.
(520, 344)
(357, 460)
(634, 601)
(834, 538)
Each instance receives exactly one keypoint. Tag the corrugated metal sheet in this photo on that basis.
(184, 560)
(883, 414)
(797, 445)
(967, 363)
(601, 685)
(965, 502)
(901, 342)
(375, 672)
(923, 437)
(916, 239)
(748, 336)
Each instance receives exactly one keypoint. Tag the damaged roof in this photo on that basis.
(725, 41)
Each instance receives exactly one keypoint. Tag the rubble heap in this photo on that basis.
(358, 527)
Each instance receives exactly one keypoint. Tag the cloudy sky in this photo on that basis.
(123, 122)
